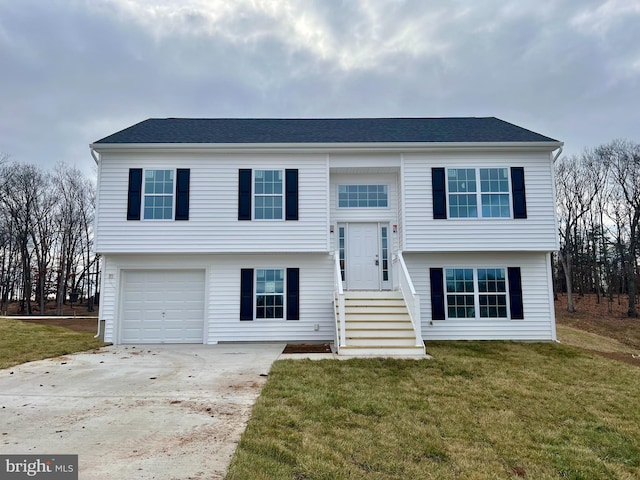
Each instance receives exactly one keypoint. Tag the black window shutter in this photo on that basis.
(439, 193)
(246, 294)
(134, 197)
(291, 192)
(244, 194)
(437, 294)
(515, 293)
(182, 193)
(293, 294)
(518, 193)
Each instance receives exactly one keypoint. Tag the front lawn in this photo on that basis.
(25, 342)
(477, 410)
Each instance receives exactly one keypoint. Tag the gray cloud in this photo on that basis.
(73, 72)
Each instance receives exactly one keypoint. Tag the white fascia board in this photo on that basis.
(324, 147)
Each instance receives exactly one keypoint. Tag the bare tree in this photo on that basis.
(575, 188)
(21, 187)
(74, 222)
(623, 158)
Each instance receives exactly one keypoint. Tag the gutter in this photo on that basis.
(365, 147)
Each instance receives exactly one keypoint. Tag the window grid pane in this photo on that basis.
(494, 185)
(268, 193)
(492, 281)
(462, 193)
(158, 194)
(363, 196)
(460, 289)
(269, 293)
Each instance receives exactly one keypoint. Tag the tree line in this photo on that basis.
(46, 237)
(598, 202)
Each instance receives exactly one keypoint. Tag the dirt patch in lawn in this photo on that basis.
(608, 319)
(607, 330)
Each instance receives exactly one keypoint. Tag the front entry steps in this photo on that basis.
(378, 325)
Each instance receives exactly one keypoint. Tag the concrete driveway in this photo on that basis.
(136, 412)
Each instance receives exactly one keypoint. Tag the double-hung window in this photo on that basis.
(268, 194)
(158, 194)
(460, 293)
(476, 293)
(478, 192)
(494, 192)
(270, 293)
(492, 293)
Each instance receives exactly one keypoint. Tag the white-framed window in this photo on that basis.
(268, 194)
(270, 292)
(363, 196)
(476, 292)
(479, 192)
(158, 188)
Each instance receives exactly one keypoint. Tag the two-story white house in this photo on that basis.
(373, 233)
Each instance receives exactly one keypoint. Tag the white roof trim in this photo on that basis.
(326, 147)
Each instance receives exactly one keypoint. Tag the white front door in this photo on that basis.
(363, 256)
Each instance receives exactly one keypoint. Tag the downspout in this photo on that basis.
(95, 159)
(557, 154)
(555, 332)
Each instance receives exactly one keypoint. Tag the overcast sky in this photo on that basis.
(74, 71)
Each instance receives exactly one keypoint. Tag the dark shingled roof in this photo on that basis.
(322, 130)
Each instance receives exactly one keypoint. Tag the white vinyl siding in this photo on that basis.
(213, 224)
(222, 295)
(535, 233)
(539, 316)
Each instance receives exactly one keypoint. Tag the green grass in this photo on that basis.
(478, 410)
(22, 342)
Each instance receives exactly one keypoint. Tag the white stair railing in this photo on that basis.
(411, 298)
(340, 320)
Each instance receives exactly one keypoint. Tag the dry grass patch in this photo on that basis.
(22, 342)
(478, 410)
(592, 341)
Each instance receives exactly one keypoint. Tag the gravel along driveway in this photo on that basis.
(136, 412)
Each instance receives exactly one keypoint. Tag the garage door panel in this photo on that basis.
(163, 306)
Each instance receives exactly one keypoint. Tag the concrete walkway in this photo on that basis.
(136, 412)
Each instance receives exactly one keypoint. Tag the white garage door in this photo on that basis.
(162, 306)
